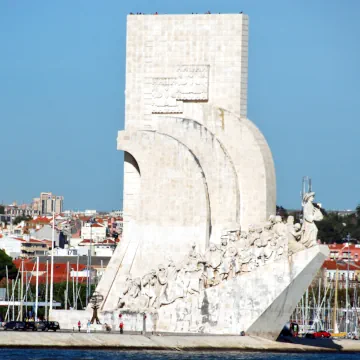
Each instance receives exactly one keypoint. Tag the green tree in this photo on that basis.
(281, 211)
(6, 260)
(358, 214)
(331, 229)
(2, 209)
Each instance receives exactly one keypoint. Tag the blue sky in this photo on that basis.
(62, 80)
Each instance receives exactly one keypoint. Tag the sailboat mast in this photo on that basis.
(21, 291)
(67, 285)
(37, 289)
(336, 299)
(52, 266)
(46, 289)
(73, 289)
(77, 281)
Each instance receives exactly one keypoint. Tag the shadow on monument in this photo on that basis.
(328, 344)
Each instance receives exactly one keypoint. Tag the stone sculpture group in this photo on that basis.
(239, 252)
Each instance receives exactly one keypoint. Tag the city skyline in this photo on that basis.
(62, 96)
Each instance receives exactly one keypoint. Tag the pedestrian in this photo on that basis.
(79, 325)
(121, 326)
(88, 326)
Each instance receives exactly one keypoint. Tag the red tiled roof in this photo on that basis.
(96, 225)
(86, 241)
(40, 220)
(107, 241)
(332, 264)
(29, 241)
(60, 271)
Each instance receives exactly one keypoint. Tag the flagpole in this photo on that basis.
(52, 267)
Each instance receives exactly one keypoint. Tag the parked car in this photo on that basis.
(30, 325)
(322, 334)
(41, 325)
(47, 325)
(318, 334)
(15, 325)
(54, 325)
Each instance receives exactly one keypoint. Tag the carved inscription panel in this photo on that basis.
(193, 82)
(164, 96)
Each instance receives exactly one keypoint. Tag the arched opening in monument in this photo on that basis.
(132, 184)
(128, 158)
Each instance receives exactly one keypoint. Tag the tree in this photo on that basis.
(2, 209)
(6, 260)
(331, 229)
(281, 211)
(358, 211)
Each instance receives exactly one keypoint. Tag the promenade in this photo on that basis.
(176, 343)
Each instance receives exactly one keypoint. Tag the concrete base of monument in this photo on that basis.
(170, 343)
(259, 302)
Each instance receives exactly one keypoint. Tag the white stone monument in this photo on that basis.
(199, 185)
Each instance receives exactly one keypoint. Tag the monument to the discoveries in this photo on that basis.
(201, 250)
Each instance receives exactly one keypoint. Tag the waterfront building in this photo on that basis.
(93, 231)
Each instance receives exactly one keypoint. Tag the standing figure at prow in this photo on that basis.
(312, 213)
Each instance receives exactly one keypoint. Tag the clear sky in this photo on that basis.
(62, 81)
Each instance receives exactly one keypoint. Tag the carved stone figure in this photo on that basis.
(224, 243)
(238, 252)
(252, 235)
(171, 287)
(162, 283)
(213, 258)
(259, 247)
(193, 259)
(280, 235)
(266, 241)
(192, 271)
(246, 258)
(130, 293)
(243, 242)
(311, 214)
(148, 287)
(233, 235)
(272, 220)
(224, 267)
(229, 266)
(294, 235)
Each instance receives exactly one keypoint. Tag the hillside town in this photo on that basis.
(84, 241)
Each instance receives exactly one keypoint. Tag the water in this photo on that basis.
(47, 354)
